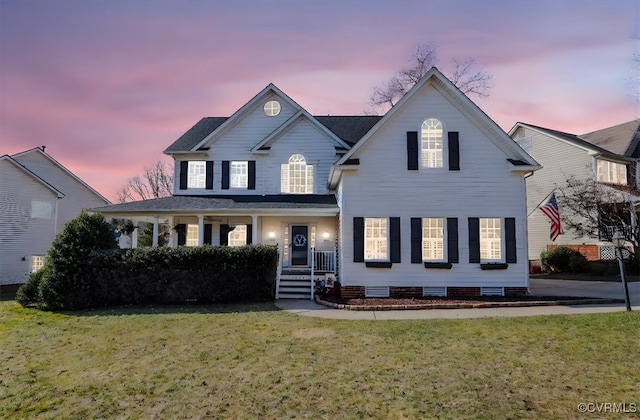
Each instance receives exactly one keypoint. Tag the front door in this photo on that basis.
(299, 245)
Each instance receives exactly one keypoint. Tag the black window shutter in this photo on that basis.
(209, 179)
(412, 150)
(224, 234)
(249, 234)
(181, 229)
(474, 240)
(394, 233)
(358, 239)
(510, 239)
(452, 240)
(252, 175)
(416, 240)
(184, 168)
(207, 234)
(225, 174)
(454, 151)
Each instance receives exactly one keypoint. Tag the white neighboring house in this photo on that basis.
(428, 200)
(609, 156)
(38, 196)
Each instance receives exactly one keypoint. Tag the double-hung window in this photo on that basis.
(196, 174)
(433, 239)
(37, 262)
(611, 172)
(376, 239)
(490, 239)
(432, 143)
(239, 174)
(238, 236)
(192, 235)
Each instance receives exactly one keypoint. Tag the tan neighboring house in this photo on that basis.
(38, 195)
(610, 156)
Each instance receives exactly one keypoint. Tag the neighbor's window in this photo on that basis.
(432, 238)
(41, 209)
(375, 239)
(37, 262)
(490, 239)
(296, 177)
(611, 172)
(196, 174)
(238, 236)
(192, 235)
(272, 108)
(239, 174)
(432, 145)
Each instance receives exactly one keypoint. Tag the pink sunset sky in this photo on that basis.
(107, 85)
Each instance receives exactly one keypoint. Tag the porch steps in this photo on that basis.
(295, 284)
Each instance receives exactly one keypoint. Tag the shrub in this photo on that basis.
(27, 293)
(563, 260)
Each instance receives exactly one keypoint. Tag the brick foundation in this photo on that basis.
(462, 291)
(355, 292)
(515, 291)
(352, 292)
(405, 292)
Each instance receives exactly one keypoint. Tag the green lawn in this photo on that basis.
(254, 361)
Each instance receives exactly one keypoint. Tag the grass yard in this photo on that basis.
(254, 361)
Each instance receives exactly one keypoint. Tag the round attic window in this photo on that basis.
(272, 108)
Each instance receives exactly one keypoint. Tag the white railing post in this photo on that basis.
(313, 266)
(278, 271)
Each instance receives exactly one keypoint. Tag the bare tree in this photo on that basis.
(466, 75)
(156, 181)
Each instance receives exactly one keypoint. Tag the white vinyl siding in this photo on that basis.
(196, 174)
(490, 239)
(239, 174)
(238, 236)
(611, 172)
(432, 239)
(296, 177)
(41, 209)
(376, 239)
(192, 235)
(432, 143)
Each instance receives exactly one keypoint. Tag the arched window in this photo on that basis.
(296, 177)
(431, 143)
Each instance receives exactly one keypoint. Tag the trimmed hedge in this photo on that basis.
(563, 260)
(207, 274)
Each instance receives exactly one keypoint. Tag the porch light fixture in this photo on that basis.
(618, 241)
(325, 235)
(272, 235)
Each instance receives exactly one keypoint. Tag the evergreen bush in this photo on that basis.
(563, 260)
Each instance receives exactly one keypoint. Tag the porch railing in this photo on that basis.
(324, 261)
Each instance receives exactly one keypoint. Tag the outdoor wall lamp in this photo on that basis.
(618, 241)
(325, 235)
(272, 235)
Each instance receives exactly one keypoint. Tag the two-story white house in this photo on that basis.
(38, 195)
(608, 156)
(429, 199)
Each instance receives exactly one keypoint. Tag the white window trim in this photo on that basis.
(386, 258)
(192, 230)
(501, 238)
(445, 148)
(34, 258)
(285, 176)
(242, 179)
(611, 176)
(196, 180)
(444, 239)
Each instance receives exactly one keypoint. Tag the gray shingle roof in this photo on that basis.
(349, 129)
(572, 138)
(622, 139)
(220, 203)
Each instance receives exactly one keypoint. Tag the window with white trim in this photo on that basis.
(196, 174)
(611, 172)
(238, 236)
(490, 239)
(272, 108)
(376, 240)
(296, 177)
(433, 239)
(192, 235)
(239, 174)
(37, 262)
(431, 135)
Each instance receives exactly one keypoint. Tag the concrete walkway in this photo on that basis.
(541, 287)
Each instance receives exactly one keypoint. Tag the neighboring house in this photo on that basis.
(37, 197)
(608, 156)
(427, 200)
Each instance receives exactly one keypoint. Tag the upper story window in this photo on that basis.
(431, 143)
(611, 172)
(296, 177)
(490, 239)
(375, 239)
(238, 172)
(196, 174)
(433, 239)
(272, 108)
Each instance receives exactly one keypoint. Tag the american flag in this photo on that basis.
(550, 208)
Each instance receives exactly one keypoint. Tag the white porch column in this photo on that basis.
(172, 232)
(200, 230)
(156, 231)
(134, 238)
(254, 230)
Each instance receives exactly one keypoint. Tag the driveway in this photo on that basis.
(577, 288)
